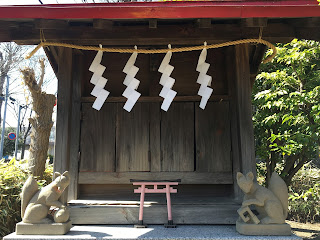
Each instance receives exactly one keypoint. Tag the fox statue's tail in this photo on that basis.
(29, 189)
(279, 188)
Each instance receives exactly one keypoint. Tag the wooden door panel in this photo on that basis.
(177, 137)
(132, 144)
(213, 143)
(98, 138)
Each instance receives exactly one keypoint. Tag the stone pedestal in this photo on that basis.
(43, 229)
(263, 229)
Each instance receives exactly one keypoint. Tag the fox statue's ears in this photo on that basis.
(239, 175)
(66, 174)
(248, 176)
(56, 174)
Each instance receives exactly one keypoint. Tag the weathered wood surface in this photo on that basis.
(124, 178)
(155, 133)
(184, 73)
(132, 140)
(98, 135)
(244, 109)
(225, 213)
(177, 138)
(152, 141)
(160, 99)
(75, 129)
(63, 130)
(184, 33)
(213, 143)
(187, 194)
(234, 133)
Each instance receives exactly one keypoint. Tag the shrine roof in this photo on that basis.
(167, 10)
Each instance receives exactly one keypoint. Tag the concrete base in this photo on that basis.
(153, 232)
(43, 229)
(263, 229)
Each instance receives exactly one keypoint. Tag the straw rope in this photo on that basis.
(153, 51)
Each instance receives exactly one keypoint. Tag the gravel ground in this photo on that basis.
(307, 231)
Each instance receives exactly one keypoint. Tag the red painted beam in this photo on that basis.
(167, 10)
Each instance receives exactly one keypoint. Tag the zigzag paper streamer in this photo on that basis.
(131, 82)
(98, 91)
(203, 79)
(167, 82)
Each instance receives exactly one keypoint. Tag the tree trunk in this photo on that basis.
(24, 140)
(41, 123)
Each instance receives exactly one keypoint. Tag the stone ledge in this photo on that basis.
(263, 229)
(43, 229)
(153, 232)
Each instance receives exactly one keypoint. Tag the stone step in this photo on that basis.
(126, 213)
(153, 232)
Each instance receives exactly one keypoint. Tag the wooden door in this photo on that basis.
(185, 142)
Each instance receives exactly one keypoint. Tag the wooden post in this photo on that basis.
(230, 73)
(77, 74)
(63, 128)
(244, 109)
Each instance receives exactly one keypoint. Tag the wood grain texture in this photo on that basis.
(155, 153)
(225, 213)
(235, 150)
(244, 109)
(177, 138)
(160, 99)
(62, 141)
(132, 142)
(98, 138)
(213, 143)
(75, 129)
(124, 178)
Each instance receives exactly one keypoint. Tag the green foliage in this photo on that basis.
(304, 199)
(304, 192)
(286, 99)
(12, 177)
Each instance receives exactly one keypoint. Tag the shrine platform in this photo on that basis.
(153, 232)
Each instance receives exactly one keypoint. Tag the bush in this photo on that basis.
(304, 199)
(304, 192)
(12, 177)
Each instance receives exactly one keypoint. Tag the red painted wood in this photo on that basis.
(165, 10)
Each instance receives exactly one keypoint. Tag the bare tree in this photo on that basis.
(43, 104)
(11, 56)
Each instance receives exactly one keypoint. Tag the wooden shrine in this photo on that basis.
(104, 149)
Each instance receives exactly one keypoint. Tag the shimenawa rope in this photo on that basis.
(153, 51)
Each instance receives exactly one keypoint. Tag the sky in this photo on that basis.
(19, 92)
(15, 78)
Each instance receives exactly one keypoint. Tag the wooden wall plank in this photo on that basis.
(224, 213)
(132, 141)
(155, 155)
(177, 137)
(124, 177)
(244, 108)
(98, 138)
(75, 129)
(235, 150)
(62, 141)
(184, 72)
(213, 145)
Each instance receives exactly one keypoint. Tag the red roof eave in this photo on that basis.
(167, 10)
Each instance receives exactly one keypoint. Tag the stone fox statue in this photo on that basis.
(271, 202)
(36, 203)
